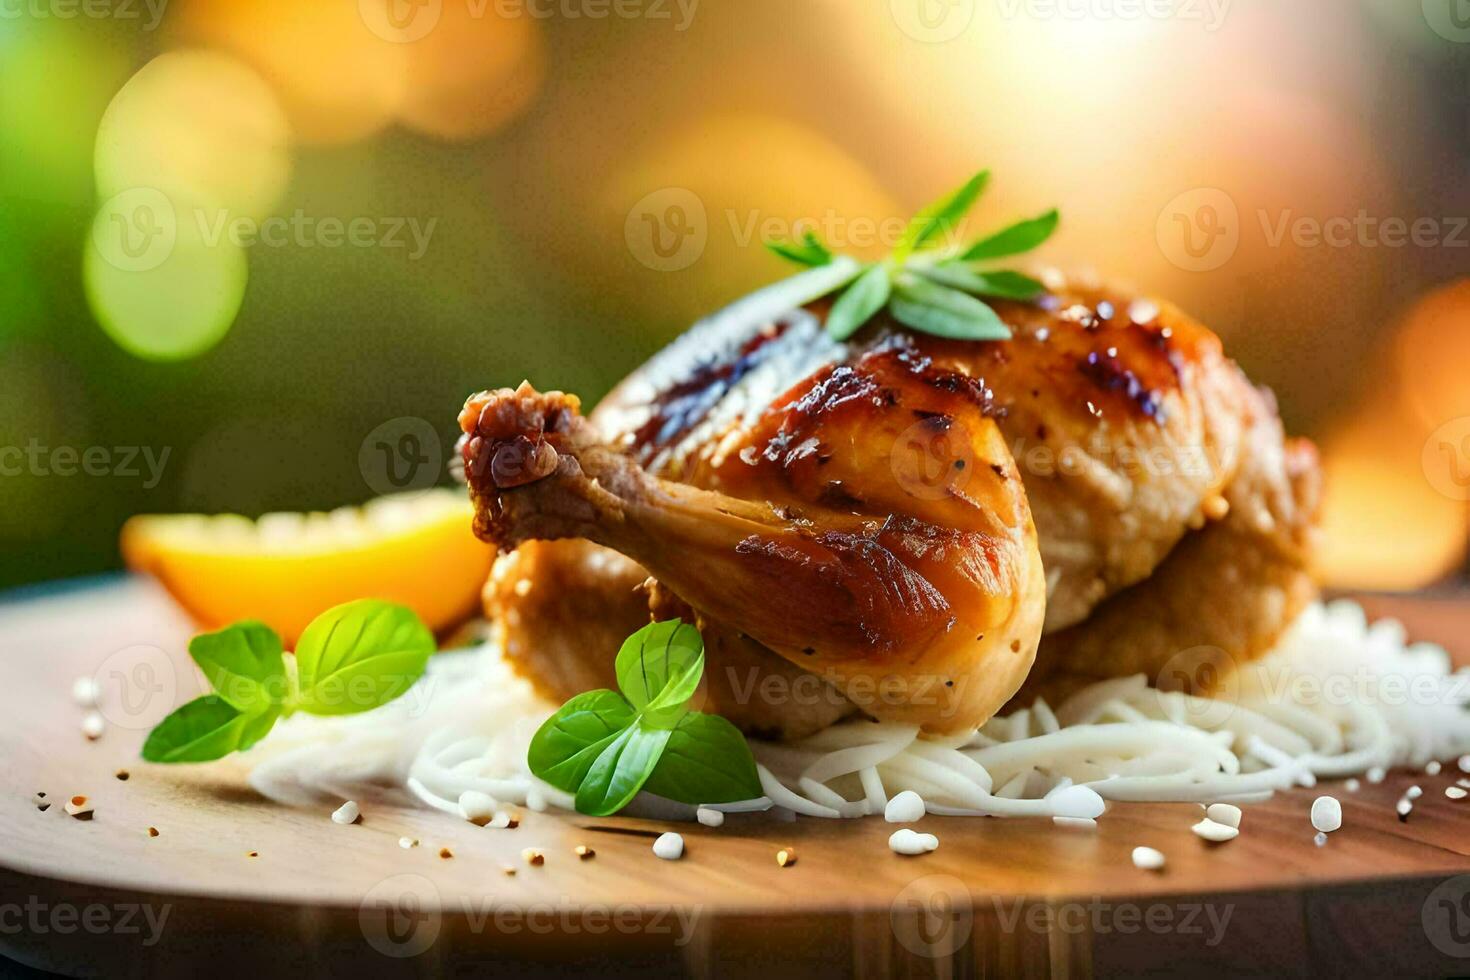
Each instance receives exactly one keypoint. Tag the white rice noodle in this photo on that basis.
(1336, 698)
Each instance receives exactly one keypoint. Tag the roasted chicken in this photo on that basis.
(899, 525)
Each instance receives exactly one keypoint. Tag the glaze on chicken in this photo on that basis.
(890, 525)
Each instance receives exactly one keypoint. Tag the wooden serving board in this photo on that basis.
(999, 896)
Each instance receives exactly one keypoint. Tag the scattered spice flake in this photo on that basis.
(407, 842)
(152, 831)
(533, 857)
(786, 857)
(509, 871)
(252, 854)
(122, 775)
(40, 802)
(79, 807)
(584, 852)
(445, 853)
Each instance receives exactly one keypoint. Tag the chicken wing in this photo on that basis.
(921, 611)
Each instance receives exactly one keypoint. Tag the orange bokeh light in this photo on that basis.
(1386, 522)
(1432, 349)
(472, 72)
(337, 80)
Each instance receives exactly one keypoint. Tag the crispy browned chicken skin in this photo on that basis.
(890, 525)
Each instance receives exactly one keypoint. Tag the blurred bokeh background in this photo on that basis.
(238, 237)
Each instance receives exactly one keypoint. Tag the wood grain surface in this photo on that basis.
(998, 897)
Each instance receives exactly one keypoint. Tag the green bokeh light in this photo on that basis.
(160, 285)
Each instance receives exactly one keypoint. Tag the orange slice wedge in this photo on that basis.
(284, 569)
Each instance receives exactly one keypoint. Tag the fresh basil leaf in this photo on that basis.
(243, 663)
(659, 666)
(945, 312)
(207, 728)
(1022, 236)
(705, 761)
(857, 305)
(621, 770)
(809, 251)
(566, 745)
(940, 216)
(1000, 284)
(358, 656)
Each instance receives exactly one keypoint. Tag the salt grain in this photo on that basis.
(1376, 774)
(709, 817)
(1455, 792)
(501, 821)
(1320, 840)
(669, 846)
(1353, 785)
(347, 813)
(1464, 763)
(1216, 832)
(533, 857)
(909, 842)
(85, 692)
(786, 856)
(1148, 859)
(906, 807)
(1226, 813)
(1433, 768)
(584, 852)
(476, 807)
(1326, 814)
(407, 842)
(1403, 807)
(1413, 793)
(93, 725)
